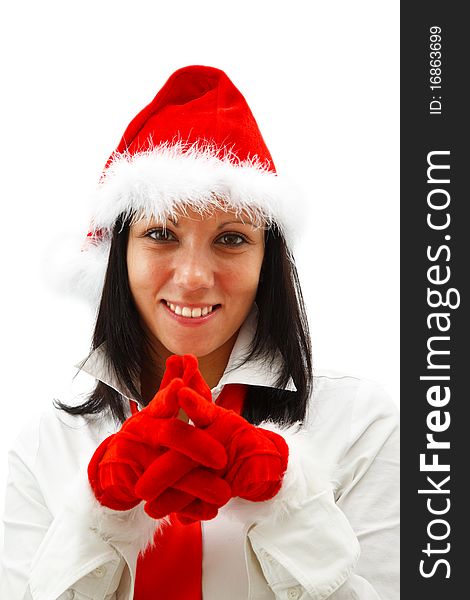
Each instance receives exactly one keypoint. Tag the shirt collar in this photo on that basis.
(99, 366)
(256, 371)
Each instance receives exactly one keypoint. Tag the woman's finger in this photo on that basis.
(153, 436)
(173, 369)
(201, 412)
(206, 486)
(162, 474)
(193, 378)
(165, 402)
(170, 501)
(190, 441)
(197, 510)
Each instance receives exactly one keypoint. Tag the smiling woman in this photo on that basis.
(201, 461)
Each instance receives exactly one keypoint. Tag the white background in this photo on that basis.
(322, 81)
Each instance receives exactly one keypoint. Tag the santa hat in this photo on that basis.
(195, 146)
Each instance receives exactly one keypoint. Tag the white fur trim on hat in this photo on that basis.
(171, 178)
(167, 181)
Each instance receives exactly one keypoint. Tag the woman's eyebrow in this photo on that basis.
(237, 221)
(175, 223)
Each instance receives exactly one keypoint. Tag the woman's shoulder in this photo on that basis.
(52, 448)
(52, 432)
(356, 395)
(345, 409)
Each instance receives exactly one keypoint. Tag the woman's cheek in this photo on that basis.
(146, 269)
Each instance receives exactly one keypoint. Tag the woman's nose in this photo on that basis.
(193, 270)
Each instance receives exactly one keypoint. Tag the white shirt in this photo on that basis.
(308, 542)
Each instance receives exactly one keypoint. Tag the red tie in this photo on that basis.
(172, 568)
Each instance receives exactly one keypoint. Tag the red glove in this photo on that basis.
(200, 494)
(186, 457)
(257, 458)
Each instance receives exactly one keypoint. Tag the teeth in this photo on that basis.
(185, 311)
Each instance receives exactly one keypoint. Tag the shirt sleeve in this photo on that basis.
(26, 521)
(308, 555)
(370, 495)
(51, 557)
(346, 545)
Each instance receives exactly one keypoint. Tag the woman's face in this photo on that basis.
(194, 280)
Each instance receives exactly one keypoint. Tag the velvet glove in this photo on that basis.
(197, 500)
(257, 458)
(188, 459)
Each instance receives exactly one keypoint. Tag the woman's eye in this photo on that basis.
(161, 235)
(231, 239)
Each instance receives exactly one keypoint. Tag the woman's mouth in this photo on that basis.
(194, 314)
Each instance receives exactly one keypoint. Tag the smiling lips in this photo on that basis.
(192, 313)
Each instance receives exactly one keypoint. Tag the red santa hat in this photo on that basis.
(195, 146)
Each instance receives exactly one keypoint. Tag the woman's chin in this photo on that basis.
(202, 349)
(198, 349)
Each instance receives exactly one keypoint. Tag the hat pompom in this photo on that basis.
(77, 268)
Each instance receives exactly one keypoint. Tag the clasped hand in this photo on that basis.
(188, 470)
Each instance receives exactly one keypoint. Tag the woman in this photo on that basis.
(206, 441)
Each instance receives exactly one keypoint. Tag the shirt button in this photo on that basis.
(99, 572)
(268, 557)
(294, 593)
